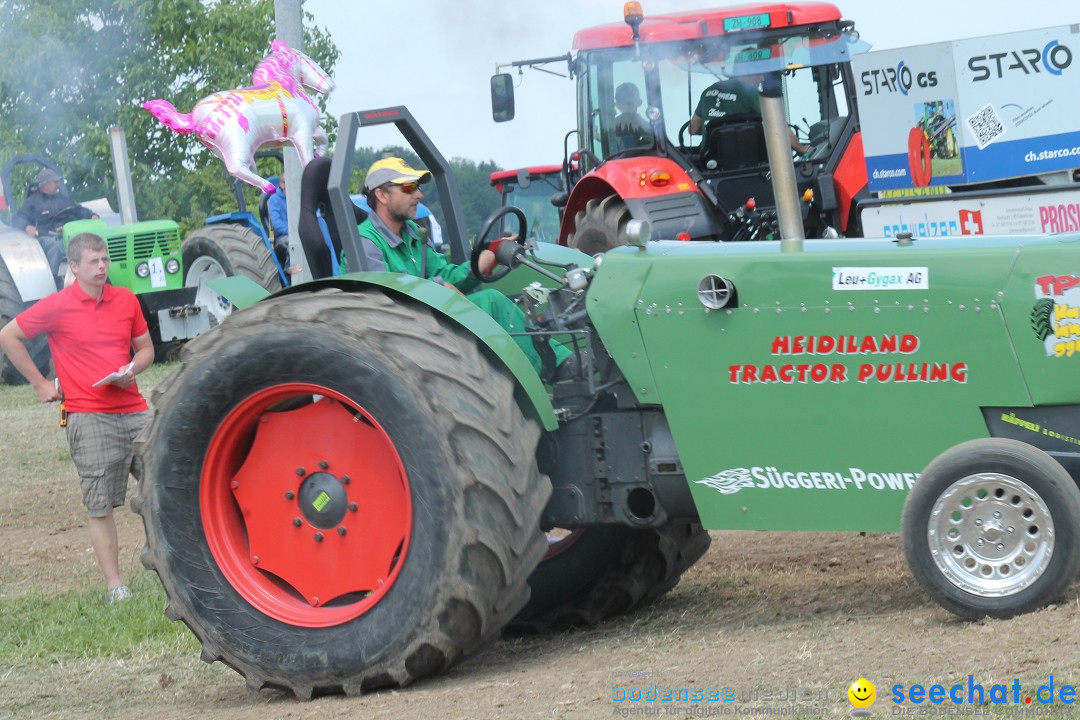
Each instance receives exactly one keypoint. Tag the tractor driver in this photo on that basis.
(392, 241)
(734, 96)
(41, 207)
(631, 129)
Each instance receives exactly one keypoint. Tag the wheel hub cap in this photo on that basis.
(991, 535)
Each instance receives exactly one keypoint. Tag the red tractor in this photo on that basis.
(539, 192)
(714, 185)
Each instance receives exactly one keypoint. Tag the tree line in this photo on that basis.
(72, 69)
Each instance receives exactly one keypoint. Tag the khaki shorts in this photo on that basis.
(101, 446)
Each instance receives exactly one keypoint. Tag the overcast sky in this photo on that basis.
(436, 57)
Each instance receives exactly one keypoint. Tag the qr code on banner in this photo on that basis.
(986, 125)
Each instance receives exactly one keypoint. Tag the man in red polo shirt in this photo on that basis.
(92, 328)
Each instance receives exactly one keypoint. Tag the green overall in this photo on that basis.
(404, 256)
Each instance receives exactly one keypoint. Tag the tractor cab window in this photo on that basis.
(534, 199)
(615, 104)
(815, 99)
(619, 88)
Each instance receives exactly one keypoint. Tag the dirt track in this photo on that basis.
(763, 614)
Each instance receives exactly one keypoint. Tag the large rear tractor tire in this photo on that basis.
(992, 527)
(11, 304)
(601, 226)
(223, 250)
(595, 573)
(340, 493)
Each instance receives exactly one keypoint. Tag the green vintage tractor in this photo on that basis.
(356, 482)
(146, 258)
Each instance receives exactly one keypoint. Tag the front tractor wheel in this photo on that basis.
(991, 528)
(601, 226)
(340, 494)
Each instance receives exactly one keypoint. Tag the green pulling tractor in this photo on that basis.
(356, 482)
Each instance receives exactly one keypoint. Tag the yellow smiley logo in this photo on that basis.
(862, 693)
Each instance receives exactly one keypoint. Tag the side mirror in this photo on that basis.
(502, 97)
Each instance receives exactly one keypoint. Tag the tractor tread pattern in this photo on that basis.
(650, 565)
(11, 305)
(497, 542)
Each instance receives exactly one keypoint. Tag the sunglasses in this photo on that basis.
(408, 188)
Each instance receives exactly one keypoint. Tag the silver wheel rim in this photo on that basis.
(201, 271)
(991, 535)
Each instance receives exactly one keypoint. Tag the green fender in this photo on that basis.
(532, 395)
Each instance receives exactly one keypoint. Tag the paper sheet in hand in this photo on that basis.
(114, 376)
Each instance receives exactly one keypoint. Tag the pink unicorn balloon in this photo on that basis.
(275, 110)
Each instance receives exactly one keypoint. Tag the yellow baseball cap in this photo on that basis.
(393, 170)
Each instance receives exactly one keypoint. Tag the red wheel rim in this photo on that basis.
(919, 157)
(305, 505)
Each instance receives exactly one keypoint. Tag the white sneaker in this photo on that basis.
(120, 593)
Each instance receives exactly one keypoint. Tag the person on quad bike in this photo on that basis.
(45, 211)
(393, 242)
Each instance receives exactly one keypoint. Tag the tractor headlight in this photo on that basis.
(172, 266)
(143, 269)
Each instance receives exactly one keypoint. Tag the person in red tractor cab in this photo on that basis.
(631, 129)
(45, 211)
(730, 97)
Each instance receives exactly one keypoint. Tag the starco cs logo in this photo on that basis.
(899, 79)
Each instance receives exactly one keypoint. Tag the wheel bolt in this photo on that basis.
(290, 495)
(979, 542)
(318, 537)
(1012, 529)
(254, 559)
(1001, 546)
(301, 472)
(997, 514)
(341, 530)
(352, 506)
(323, 464)
(978, 522)
(234, 484)
(345, 479)
(315, 601)
(297, 521)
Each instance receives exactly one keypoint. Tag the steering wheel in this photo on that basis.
(483, 243)
(54, 223)
(682, 136)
